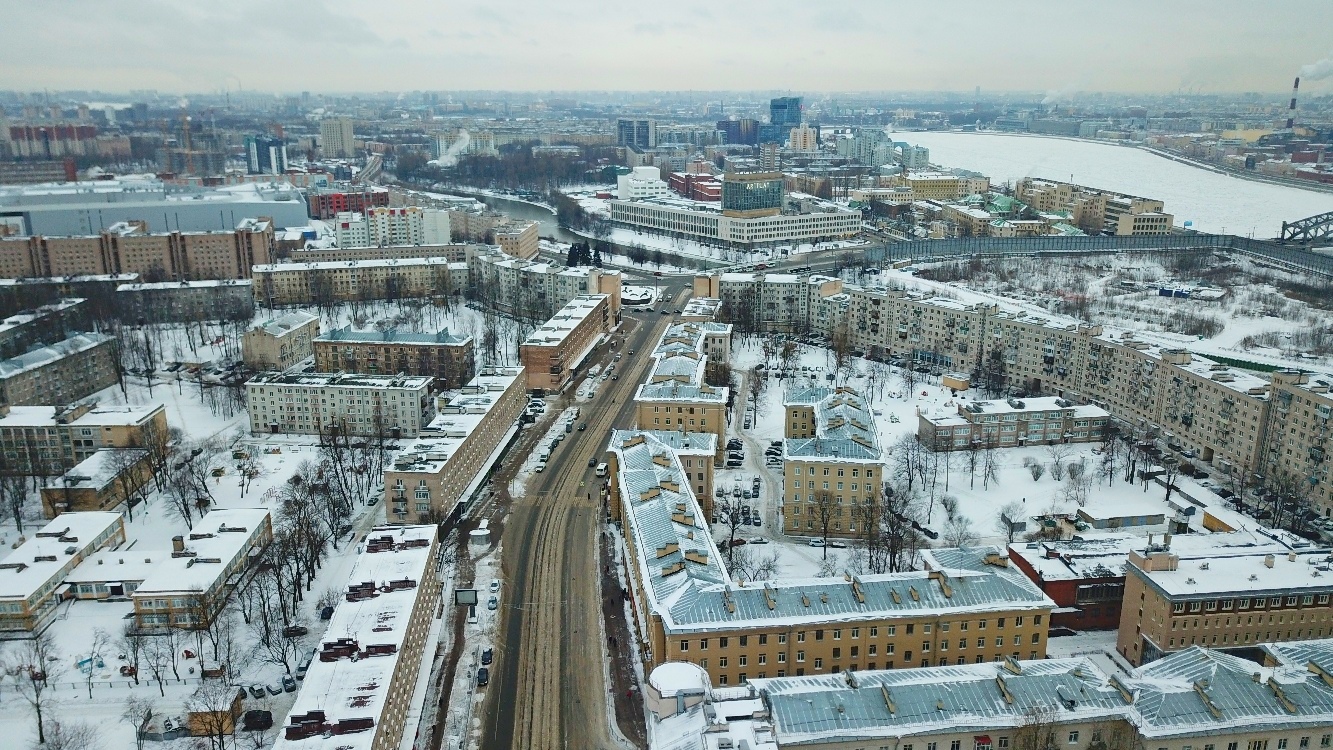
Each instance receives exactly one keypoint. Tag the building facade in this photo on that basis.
(447, 358)
(553, 352)
(327, 203)
(388, 227)
(1011, 422)
(32, 573)
(49, 440)
(325, 404)
(517, 238)
(336, 139)
(102, 481)
(327, 282)
(186, 301)
(833, 467)
(821, 222)
(61, 373)
(430, 478)
(43, 325)
(281, 342)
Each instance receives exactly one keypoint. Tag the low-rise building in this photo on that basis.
(187, 301)
(358, 688)
(48, 440)
(833, 467)
(189, 588)
(42, 325)
(32, 576)
(433, 477)
(331, 403)
(102, 481)
(328, 282)
(60, 373)
(1179, 600)
(553, 352)
(446, 357)
(1011, 422)
(687, 607)
(281, 342)
(803, 221)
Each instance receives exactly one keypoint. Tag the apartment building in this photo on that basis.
(61, 373)
(1011, 422)
(675, 395)
(1198, 698)
(769, 301)
(833, 466)
(189, 588)
(128, 247)
(456, 253)
(447, 358)
(807, 221)
(31, 575)
(1174, 600)
(280, 343)
(381, 226)
(517, 238)
(942, 186)
(336, 138)
(359, 687)
(324, 403)
(328, 282)
(553, 352)
(186, 301)
(49, 440)
(534, 289)
(687, 607)
(434, 476)
(46, 324)
(1096, 211)
(1295, 448)
(102, 481)
(327, 203)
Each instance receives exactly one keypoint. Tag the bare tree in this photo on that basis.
(137, 713)
(14, 496)
(70, 735)
(131, 643)
(894, 539)
(214, 709)
(728, 512)
(1037, 732)
(36, 665)
(958, 533)
(990, 463)
(1170, 473)
(825, 509)
(974, 459)
(95, 654)
(1036, 469)
(1112, 448)
(748, 565)
(1009, 520)
(1058, 452)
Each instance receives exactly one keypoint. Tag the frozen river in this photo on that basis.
(1214, 202)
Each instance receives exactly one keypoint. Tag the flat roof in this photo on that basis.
(285, 324)
(27, 316)
(99, 416)
(101, 468)
(392, 336)
(167, 285)
(340, 380)
(1244, 575)
(345, 688)
(43, 558)
(458, 414)
(554, 331)
(216, 539)
(331, 265)
(1105, 556)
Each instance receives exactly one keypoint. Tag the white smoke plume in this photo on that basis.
(450, 158)
(1056, 95)
(1318, 71)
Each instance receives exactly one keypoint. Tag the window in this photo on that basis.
(763, 639)
(722, 661)
(684, 645)
(1178, 607)
(819, 663)
(722, 642)
(703, 644)
(800, 656)
(782, 637)
(1002, 743)
(956, 745)
(800, 636)
(782, 657)
(1326, 740)
(1282, 744)
(1073, 737)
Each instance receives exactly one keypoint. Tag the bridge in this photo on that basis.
(1312, 229)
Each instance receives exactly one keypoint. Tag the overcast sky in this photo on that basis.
(543, 45)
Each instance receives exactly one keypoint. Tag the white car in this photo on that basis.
(540, 467)
(816, 542)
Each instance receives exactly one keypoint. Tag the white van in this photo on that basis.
(602, 469)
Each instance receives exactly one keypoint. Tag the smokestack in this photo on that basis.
(1291, 111)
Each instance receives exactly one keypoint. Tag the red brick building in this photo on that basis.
(325, 204)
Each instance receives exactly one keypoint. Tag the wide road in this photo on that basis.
(547, 690)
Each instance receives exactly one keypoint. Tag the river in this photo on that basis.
(1213, 202)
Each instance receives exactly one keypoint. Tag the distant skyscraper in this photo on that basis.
(744, 131)
(336, 139)
(634, 132)
(265, 154)
(785, 111)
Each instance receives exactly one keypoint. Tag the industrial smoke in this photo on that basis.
(450, 157)
(1318, 71)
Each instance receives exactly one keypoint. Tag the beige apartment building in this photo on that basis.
(281, 342)
(553, 352)
(1173, 602)
(675, 396)
(360, 684)
(49, 440)
(1009, 423)
(326, 282)
(833, 466)
(30, 577)
(328, 403)
(1297, 432)
(942, 186)
(518, 238)
(445, 357)
(128, 247)
(535, 289)
(1096, 211)
(61, 373)
(431, 476)
(102, 481)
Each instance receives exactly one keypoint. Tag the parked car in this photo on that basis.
(326, 613)
(592, 462)
(759, 540)
(274, 688)
(256, 691)
(288, 684)
(295, 631)
(733, 464)
(483, 677)
(495, 585)
(488, 656)
(758, 522)
(816, 542)
(257, 720)
(492, 603)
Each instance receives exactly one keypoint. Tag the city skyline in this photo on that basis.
(1217, 47)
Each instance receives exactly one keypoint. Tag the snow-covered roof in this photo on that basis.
(674, 390)
(340, 380)
(675, 677)
(844, 427)
(334, 265)
(97, 417)
(27, 316)
(372, 336)
(1259, 573)
(285, 324)
(44, 356)
(101, 468)
(170, 285)
(216, 541)
(350, 679)
(1105, 556)
(554, 331)
(459, 413)
(684, 443)
(42, 562)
